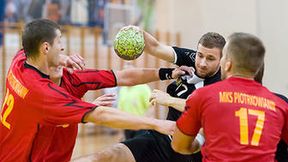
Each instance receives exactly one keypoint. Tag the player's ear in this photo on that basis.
(44, 47)
(228, 65)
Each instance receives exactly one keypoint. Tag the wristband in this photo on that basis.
(165, 73)
(200, 138)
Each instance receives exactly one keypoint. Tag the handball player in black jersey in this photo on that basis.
(156, 147)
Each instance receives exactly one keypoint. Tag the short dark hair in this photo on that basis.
(37, 32)
(248, 52)
(259, 75)
(211, 40)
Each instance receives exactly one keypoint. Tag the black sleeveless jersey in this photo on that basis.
(182, 89)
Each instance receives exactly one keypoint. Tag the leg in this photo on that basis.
(116, 153)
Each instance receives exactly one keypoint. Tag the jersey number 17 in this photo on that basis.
(243, 113)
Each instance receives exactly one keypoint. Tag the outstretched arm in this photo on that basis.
(155, 48)
(134, 76)
(163, 98)
(111, 117)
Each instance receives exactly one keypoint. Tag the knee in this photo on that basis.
(116, 153)
(102, 156)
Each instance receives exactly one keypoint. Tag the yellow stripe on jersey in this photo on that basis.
(19, 89)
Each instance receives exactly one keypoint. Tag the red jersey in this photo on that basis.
(32, 100)
(77, 84)
(242, 120)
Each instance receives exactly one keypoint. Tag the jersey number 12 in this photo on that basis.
(9, 101)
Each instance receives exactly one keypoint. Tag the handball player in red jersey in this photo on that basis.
(89, 80)
(33, 101)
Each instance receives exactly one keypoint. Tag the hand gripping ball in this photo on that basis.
(129, 43)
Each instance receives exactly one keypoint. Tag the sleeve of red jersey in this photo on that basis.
(190, 121)
(56, 107)
(93, 79)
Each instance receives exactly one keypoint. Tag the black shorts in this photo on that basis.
(154, 147)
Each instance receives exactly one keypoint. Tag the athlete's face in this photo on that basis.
(55, 50)
(207, 61)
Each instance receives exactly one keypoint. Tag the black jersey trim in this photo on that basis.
(92, 109)
(83, 83)
(63, 94)
(114, 78)
(87, 71)
(26, 65)
(282, 97)
(72, 104)
(73, 101)
(96, 83)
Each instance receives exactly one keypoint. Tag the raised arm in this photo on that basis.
(134, 76)
(111, 117)
(155, 48)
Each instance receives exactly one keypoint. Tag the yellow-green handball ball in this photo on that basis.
(129, 43)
